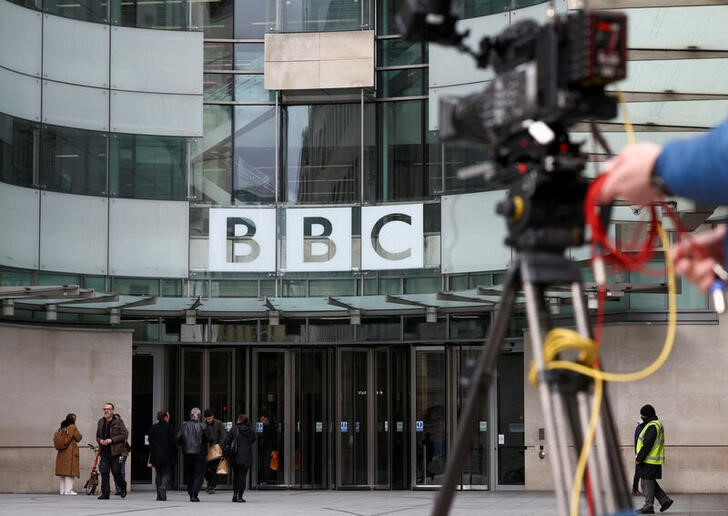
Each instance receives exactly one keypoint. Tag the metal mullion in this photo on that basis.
(401, 67)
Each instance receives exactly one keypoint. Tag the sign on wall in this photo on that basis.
(392, 237)
(317, 239)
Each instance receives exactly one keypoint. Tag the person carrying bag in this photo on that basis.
(238, 448)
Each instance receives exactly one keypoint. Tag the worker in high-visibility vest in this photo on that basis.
(650, 458)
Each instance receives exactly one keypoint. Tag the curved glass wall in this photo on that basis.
(78, 161)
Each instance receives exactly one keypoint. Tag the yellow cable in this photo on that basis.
(669, 339)
(625, 114)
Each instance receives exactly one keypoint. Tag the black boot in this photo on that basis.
(235, 496)
(240, 498)
(163, 492)
(159, 494)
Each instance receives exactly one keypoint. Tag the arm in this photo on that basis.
(699, 267)
(98, 434)
(76, 434)
(123, 435)
(696, 168)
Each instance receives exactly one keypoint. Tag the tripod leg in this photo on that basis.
(479, 387)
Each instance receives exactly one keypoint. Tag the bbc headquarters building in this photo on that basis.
(243, 205)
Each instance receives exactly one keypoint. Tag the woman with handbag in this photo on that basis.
(238, 447)
(66, 440)
(162, 452)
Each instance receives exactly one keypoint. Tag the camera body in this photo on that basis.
(547, 78)
(552, 73)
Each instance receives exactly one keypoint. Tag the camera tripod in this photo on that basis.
(565, 397)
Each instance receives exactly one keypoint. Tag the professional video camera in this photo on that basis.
(547, 78)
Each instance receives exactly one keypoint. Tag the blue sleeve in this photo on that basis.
(697, 168)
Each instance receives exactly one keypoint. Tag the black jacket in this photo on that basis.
(245, 438)
(193, 437)
(162, 446)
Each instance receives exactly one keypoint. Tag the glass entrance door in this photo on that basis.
(270, 393)
(431, 416)
(353, 418)
(312, 407)
(475, 469)
(207, 381)
(511, 454)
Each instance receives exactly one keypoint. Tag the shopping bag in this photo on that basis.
(214, 452)
(273, 460)
(222, 467)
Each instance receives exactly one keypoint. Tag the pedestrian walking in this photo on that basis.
(162, 453)
(214, 451)
(193, 437)
(239, 451)
(650, 458)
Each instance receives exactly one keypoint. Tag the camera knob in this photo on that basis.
(511, 207)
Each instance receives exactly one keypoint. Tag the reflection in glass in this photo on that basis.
(148, 167)
(136, 286)
(218, 56)
(457, 157)
(249, 57)
(86, 10)
(386, 11)
(17, 149)
(212, 181)
(269, 410)
(254, 157)
(403, 174)
(475, 468)
(30, 4)
(156, 14)
(399, 52)
(354, 413)
(323, 154)
(405, 82)
(511, 457)
(73, 160)
(323, 15)
(214, 18)
(251, 20)
(249, 88)
(217, 87)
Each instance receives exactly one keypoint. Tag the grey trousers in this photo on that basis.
(652, 490)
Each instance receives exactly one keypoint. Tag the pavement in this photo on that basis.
(332, 503)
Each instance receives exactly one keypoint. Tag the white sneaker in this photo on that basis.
(71, 493)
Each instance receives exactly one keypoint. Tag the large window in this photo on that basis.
(86, 10)
(17, 149)
(73, 160)
(148, 167)
(403, 171)
(254, 158)
(323, 153)
(250, 22)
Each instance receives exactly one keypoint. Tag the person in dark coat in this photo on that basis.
(193, 437)
(67, 458)
(162, 452)
(650, 458)
(111, 434)
(242, 457)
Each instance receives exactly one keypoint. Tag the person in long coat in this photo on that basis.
(162, 452)
(242, 458)
(67, 459)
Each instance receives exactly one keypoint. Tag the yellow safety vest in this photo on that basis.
(657, 454)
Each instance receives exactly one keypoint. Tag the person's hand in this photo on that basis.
(628, 175)
(698, 266)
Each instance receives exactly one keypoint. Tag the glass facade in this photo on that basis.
(17, 150)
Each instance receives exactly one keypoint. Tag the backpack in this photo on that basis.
(61, 439)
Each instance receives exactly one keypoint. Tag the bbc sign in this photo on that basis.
(317, 239)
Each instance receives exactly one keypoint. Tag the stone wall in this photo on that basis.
(45, 373)
(688, 393)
